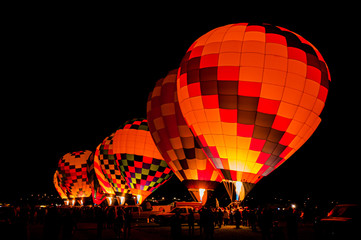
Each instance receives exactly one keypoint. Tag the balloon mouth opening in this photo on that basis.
(238, 189)
(201, 193)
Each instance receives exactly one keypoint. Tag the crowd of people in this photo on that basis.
(265, 220)
(61, 222)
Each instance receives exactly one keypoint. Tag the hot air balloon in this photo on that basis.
(176, 142)
(73, 169)
(59, 188)
(108, 173)
(252, 95)
(139, 160)
(98, 194)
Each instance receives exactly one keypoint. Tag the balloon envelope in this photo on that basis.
(175, 140)
(73, 169)
(139, 160)
(107, 169)
(252, 95)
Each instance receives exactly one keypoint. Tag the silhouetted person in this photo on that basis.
(51, 226)
(191, 222)
(201, 219)
(176, 226)
(209, 224)
(100, 217)
(277, 232)
(252, 220)
(127, 223)
(220, 217)
(69, 225)
(119, 222)
(265, 223)
(237, 217)
(292, 224)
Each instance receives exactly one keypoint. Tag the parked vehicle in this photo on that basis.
(342, 222)
(164, 218)
(139, 214)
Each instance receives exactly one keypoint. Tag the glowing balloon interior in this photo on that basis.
(252, 95)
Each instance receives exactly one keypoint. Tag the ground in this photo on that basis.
(88, 231)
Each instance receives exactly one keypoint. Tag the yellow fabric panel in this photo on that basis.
(242, 155)
(197, 103)
(219, 142)
(204, 127)
(212, 115)
(230, 141)
(256, 168)
(252, 156)
(243, 142)
(240, 165)
(231, 152)
(210, 139)
(200, 115)
(232, 163)
(214, 176)
(191, 118)
(216, 128)
(229, 128)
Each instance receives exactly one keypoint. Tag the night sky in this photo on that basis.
(72, 76)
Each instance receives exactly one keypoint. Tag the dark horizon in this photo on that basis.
(75, 79)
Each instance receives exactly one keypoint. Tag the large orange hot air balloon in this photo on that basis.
(176, 142)
(138, 158)
(252, 95)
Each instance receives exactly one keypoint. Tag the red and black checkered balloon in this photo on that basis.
(175, 140)
(252, 95)
(73, 169)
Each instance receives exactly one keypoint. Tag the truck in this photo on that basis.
(138, 214)
(164, 218)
